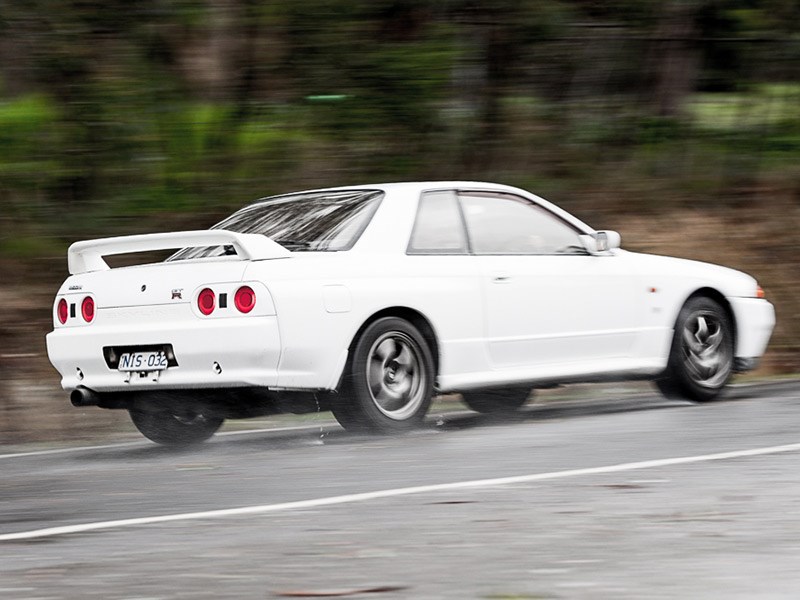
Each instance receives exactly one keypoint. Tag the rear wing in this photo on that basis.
(87, 256)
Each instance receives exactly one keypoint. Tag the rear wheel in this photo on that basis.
(501, 401)
(701, 358)
(389, 383)
(169, 428)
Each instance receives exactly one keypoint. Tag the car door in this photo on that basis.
(548, 301)
(448, 283)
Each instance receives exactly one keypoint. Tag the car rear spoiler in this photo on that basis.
(87, 256)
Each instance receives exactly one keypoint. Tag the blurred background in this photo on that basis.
(676, 123)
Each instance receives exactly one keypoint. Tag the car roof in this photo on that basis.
(391, 226)
(419, 186)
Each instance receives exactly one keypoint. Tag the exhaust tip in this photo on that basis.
(83, 397)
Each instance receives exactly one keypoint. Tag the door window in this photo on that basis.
(506, 224)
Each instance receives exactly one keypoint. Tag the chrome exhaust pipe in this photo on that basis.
(83, 397)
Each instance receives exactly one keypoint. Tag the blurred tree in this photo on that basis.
(159, 101)
(676, 55)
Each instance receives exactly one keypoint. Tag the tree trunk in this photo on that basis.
(674, 58)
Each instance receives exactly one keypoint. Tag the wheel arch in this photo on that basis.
(413, 316)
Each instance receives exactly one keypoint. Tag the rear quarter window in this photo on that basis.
(439, 227)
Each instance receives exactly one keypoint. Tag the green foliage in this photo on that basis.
(126, 111)
(30, 246)
(27, 126)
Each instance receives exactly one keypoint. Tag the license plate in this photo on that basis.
(142, 361)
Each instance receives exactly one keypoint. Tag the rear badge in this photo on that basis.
(177, 294)
(144, 287)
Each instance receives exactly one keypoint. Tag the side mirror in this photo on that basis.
(607, 240)
(601, 241)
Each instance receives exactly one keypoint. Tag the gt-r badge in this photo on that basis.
(177, 294)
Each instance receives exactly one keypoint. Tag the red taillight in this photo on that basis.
(206, 301)
(63, 311)
(760, 292)
(87, 309)
(245, 299)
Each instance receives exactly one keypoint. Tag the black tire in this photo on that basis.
(701, 357)
(388, 385)
(167, 428)
(501, 401)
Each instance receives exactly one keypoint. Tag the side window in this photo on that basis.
(439, 228)
(504, 224)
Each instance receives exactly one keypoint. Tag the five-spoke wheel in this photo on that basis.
(701, 357)
(395, 377)
(389, 381)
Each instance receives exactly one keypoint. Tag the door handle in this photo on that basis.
(501, 279)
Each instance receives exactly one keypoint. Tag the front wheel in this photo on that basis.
(701, 358)
(389, 383)
(170, 428)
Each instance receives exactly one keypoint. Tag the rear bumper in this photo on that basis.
(755, 320)
(217, 353)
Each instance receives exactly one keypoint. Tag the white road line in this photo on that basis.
(144, 443)
(68, 450)
(364, 497)
(324, 424)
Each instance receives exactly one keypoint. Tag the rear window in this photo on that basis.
(305, 222)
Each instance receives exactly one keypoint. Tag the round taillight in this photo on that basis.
(206, 301)
(87, 309)
(63, 311)
(245, 299)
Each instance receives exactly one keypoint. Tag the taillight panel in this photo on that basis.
(74, 310)
(232, 299)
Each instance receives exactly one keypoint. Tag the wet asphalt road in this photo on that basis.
(725, 528)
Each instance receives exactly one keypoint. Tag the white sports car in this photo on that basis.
(369, 300)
